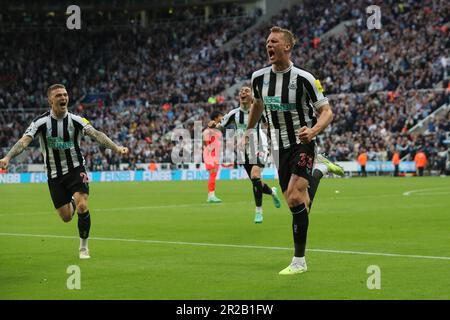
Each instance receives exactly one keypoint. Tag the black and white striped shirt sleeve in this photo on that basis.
(31, 130)
(83, 122)
(257, 80)
(315, 91)
(228, 119)
(36, 126)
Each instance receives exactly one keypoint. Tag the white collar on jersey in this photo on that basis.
(55, 117)
(242, 109)
(291, 64)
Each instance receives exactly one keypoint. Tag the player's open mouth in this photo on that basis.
(62, 104)
(271, 54)
(245, 98)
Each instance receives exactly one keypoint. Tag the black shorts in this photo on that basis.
(298, 160)
(62, 188)
(248, 166)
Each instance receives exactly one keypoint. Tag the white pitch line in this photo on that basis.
(331, 197)
(203, 244)
(408, 193)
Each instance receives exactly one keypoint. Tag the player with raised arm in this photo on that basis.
(238, 118)
(59, 133)
(291, 99)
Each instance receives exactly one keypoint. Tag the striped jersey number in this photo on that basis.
(305, 161)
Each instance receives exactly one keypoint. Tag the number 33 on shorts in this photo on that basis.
(306, 161)
(85, 177)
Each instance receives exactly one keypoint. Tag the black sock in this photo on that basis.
(257, 191)
(266, 189)
(314, 181)
(84, 224)
(300, 222)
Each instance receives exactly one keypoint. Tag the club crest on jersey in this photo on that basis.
(265, 83)
(293, 85)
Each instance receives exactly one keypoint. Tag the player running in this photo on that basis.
(238, 118)
(59, 133)
(291, 98)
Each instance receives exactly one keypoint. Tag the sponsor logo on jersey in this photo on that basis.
(58, 143)
(274, 104)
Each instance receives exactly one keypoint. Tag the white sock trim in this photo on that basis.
(83, 243)
(299, 211)
(299, 260)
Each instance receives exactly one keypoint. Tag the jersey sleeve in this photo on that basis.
(315, 91)
(256, 85)
(227, 119)
(83, 122)
(31, 130)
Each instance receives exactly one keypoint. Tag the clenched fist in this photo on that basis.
(122, 150)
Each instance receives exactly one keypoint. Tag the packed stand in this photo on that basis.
(380, 123)
(181, 65)
(162, 64)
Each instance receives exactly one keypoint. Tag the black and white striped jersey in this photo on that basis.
(238, 118)
(59, 141)
(291, 99)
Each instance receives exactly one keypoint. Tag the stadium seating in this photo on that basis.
(372, 83)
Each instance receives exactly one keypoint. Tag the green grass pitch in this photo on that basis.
(160, 240)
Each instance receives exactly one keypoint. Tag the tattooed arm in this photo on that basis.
(103, 140)
(17, 149)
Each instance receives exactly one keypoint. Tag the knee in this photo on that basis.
(66, 218)
(82, 207)
(295, 198)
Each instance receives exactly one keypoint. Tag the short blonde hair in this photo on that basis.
(54, 87)
(288, 35)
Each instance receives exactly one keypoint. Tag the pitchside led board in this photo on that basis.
(194, 174)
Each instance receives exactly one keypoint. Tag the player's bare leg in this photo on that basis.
(67, 211)
(84, 222)
(298, 201)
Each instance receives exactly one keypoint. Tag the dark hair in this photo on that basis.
(54, 87)
(215, 114)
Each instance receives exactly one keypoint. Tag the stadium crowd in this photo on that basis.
(167, 63)
(162, 78)
(378, 123)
